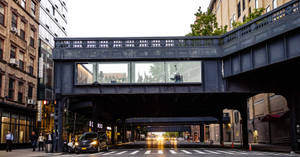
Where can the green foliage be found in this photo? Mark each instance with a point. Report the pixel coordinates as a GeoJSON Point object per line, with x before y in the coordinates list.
{"type": "Point", "coordinates": [252, 16]}
{"type": "Point", "coordinates": [206, 25]}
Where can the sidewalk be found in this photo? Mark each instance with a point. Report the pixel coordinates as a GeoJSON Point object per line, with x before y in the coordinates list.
{"type": "Point", "coordinates": [261, 147]}
{"type": "Point", "coordinates": [26, 153]}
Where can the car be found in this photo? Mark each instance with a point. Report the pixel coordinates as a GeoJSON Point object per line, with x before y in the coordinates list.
{"type": "Point", "coordinates": [91, 142]}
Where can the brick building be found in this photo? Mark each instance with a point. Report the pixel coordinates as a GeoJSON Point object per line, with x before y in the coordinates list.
{"type": "Point", "coordinates": [19, 29]}
{"type": "Point", "coordinates": [268, 118]}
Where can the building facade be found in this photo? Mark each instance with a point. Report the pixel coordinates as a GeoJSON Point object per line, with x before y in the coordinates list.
{"type": "Point", "coordinates": [19, 27]}
{"type": "Point", "coordinates": [268, 116]}
{"type": "Point", "coordinates": [53, 22]}
{"type": "Point", "coordinates": [228, 11]}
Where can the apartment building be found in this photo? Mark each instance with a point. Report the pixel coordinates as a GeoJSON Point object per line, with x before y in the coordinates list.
{"type": "Point", "coordinates": [53, 23]}
{"type": "Point", "coordinates": [19, 27]}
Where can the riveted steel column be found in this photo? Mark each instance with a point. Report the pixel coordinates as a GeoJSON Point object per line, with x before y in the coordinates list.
{"type": "Point", "coordinates": [244, 115]}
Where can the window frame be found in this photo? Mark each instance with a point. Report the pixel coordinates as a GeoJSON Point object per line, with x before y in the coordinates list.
{"type": "Point", "coordinates": [33, 8]}
{"type": "Point", "coordinates": [2, 22]}
{"type": "Point", "coordinates": [14, 22]}
{"type": "Point", "coordinates": [11, 90]}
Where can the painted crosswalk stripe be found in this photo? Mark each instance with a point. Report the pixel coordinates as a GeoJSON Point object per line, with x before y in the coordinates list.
{"type": "Point", "coordinates": [160, 152]}
{"type": "Point", "coordinates": [199, 152]}
{"type": "Point", "coordinates": [148, 152]}
{"type": "Point", "coordinates": [135, 152]}
{"type": "Point", "coordinates": [212, 152]}
{"type": "Point", "coordinates": [186, 152]}
{"type": "Point", "coordinates": [121, 152]}
{"type": "Point", "coordinates": [109, 153]}
{"type": "Point", "coordinates": [225, 152]}
{"type": "Point", "coordinates": [238, 152]}
{"type": "Point", "coordinates": [97, 153]}
{"type": "Point", "coordinates": [173, 152]}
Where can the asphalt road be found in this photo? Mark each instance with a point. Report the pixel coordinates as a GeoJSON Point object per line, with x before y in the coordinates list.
{"type": "Point", "coordinates": [181, 152]}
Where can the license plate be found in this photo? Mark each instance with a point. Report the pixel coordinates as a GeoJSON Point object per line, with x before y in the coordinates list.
{"type": "Point", "coordinates": [83, 148]}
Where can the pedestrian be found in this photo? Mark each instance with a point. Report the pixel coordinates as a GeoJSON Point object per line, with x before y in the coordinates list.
{"type": "Point", "coordinates": [49, 142]}
{"type": "Point", "coordinates": [9, 140]}
{"type": "Point", "coordinates": [33, 139]}
{"type": "Point", "coordinates": [41, 141]}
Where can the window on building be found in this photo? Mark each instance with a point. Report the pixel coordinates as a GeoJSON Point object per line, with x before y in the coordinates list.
{"type": "Point", "coordinates": [32, 35]}
{"type": "Point", "coordinates": [22, 30]}
{"type": "Point", "coordinates": [23, 3]}
{"type": "Point", "coordinates": [239, 9]}
{"type": "Point", "coordinates": [274, 4]}
{"type": "Point", "coordinates": [1, 85]}
{"type": "Point", "coordinates": [21, 60]}
{"type": "Point", "coordinates": [13, 52]}
{"type": "Point", "coordinates": [20, 92]}
{"type": "Point", "coordinates": [11, 89]}
{"type": "Point", "coordinates": [53, 10]}
{"type": "Point", "coordinates": [30, 67]}
{"type": "Point", "coordinates": [14, 20]}
{"type": "Point", "coordinates": [236, 117]}
{"type": "Point", "coordinates": [33, 8]}
{"type": "Point", "coordinates": [1, 48]}
{"type": "Point", "coordinates": [268, 8]}
{"type": "Point", "coordinates": [2, 14]}
{"type": "Point", "coordinates": [256, 4]}
{"type": "Point", "coordinates": [244, 4]}
{"type": "Point", "coordinates": [30, 90]}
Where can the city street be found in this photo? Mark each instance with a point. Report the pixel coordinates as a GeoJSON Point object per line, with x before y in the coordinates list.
{"type": "Point", "coordinates": [168, 152]}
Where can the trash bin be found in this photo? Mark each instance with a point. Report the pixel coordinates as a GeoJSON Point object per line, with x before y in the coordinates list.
{"type": "Point", "coordinates": [48, 148]}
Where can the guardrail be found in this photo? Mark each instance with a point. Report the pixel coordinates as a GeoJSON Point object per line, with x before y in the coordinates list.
{"type": "Point", "coordinates": [291, 7]}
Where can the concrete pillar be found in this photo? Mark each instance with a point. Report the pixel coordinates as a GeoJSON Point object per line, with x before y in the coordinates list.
{"type": "Point", "coordinates": [202, 133]}
{"type": "Point", "coordinates": [244, 115]}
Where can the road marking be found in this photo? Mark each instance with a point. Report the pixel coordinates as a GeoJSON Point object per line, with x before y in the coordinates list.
{"type": "Point", "coordinates": [244, 153]}
{"type": "Point", "coordinates": [186, 152]}
{"type": "Point", "coordinates": [224, 152]}
{"type": "Point", "coordinates": [97, 153]}
{"type": "Point", "coordinates": [148, 152]}
{"type": "Point", "coordinates": [212, 152]}
{"type": "Point", "coordinates": [173, 152]}
{"type": "Point", "coordinates": [160, 152]}
{"type": "Point", "coordinates": [135, 152]}
{"type": "Point", "coordinates": [109, 153]}
{"type": "Point", "coordinates": [199, 152]}
{"type": "Point", "coordinates": [121, 152]}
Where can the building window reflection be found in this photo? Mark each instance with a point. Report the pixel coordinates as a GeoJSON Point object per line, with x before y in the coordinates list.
{"type": "Point", "coordinates": [139, 72]}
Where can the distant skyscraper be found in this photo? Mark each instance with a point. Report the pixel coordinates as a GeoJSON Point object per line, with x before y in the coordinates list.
{"type": "Point", "coordinates": [53, 22]}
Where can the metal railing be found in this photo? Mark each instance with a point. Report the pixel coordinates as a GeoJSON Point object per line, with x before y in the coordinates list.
{"type": "Point", "coordinates": [289, 8]}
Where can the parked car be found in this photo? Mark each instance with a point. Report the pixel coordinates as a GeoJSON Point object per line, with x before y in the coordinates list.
{"type": "Point", "coordinates": [91, 142]}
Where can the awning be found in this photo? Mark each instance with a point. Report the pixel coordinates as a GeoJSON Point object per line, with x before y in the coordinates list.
{"type": "Point", "coordinates": [272, 117]}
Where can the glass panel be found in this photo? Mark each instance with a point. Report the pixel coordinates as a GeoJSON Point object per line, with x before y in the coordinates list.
{"type": "Point", "coordinates": [27, 134]}
{"type": "Point", "coordinates": [113, 73]}
{"type": "Point", "coordinates": [86, 73]}
{"type": "Point", "coordinates": [4, 129]}
{"type": "Point", "coordinates": [22, 133]}
{"type": "Point", "coordinates": [14, 130]}
{"type": "Point", "coordinates": [148, 72]}
{"type": "Point", "coordinates": [189, 71]}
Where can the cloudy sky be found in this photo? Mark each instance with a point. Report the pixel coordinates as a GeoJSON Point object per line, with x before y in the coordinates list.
{"type": "Point", "coordinates": [131, 18]}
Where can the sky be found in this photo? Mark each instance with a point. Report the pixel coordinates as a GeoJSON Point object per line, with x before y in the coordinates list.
{"type": "Point", "coordinates": [132, 18]}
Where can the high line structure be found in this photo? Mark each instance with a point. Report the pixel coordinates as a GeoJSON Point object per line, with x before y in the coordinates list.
{"type": "Point", "coordinates": [120, 78]}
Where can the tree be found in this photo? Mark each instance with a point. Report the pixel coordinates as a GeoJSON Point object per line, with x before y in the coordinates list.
{"type": "Point", "coordinates": [252, 16]}
{"type": "Point", "coordinates": [206, 25]}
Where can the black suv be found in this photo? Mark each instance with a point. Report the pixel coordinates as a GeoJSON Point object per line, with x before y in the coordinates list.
{"type": "Point", "coordinates": [91, 142]}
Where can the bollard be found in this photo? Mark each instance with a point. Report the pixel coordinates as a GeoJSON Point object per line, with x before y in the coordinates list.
{"type": "Point", "coordinates": [250, 147]}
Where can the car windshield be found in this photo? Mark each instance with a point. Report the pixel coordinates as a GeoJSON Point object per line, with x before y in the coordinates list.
{"type": "Point", "coordinates": [88, 136]}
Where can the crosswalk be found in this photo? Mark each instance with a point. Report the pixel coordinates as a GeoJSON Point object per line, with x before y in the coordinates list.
{"type": "Point", "coordinates": [179, 152]}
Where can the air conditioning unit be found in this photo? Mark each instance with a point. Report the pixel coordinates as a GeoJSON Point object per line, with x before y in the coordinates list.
{"type": "Point", "coordinates": [14, 30]}
{"type": "Point", "coordinates": [13, 61]}
{"type": "Point", "coordinates": [30, 101]}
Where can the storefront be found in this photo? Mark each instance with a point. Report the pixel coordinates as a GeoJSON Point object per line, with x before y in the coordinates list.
{"type": "Point", "coordinates": [20, 121]}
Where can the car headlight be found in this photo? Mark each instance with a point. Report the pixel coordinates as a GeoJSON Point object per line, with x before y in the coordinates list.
{"type": "Point", "coordinates": [76, 143]}
{"type": "Point", "coordinates": [94, 143]}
